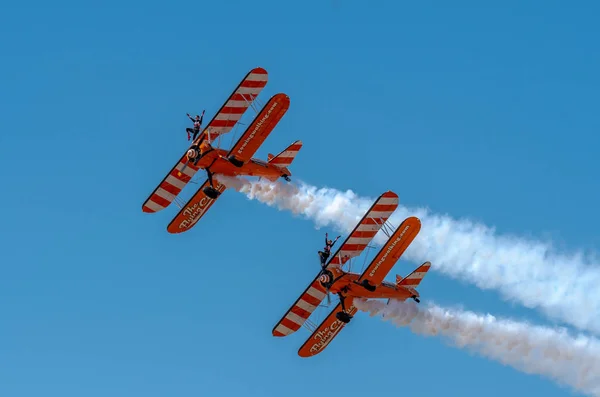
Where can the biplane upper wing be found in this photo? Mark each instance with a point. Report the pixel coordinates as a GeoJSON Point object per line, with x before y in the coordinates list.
{"type": "Point", "coordinates": [353, 246]}
{"type": "Point", "coordinates": [194, 209]}
{"type": "Point", "coordinates": [324, 334]}
{"type": "Point", "coordinates": [229, 114]}
{"type": "Point", "coordinates": [237, 104]}
{"type": "Point", "coordinates": [291, 322]}
{"type": "Point", "coordinates": [389, 254]}
{"type": "Point", "coordinates": [366, 229]}
{"type": "Point", "coordinates": [260, 128]}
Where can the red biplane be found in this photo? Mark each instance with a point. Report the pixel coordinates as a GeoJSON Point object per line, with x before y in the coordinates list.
{"type": "Point", "coordinates": [348, 286]}
{"type": "Point", "coordinates": [233, 162]}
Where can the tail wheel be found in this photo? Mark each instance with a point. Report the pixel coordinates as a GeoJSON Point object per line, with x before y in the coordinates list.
{"type": "Point", "coordinates": [235, 162]}
{"type": "Point", "coordinates": [343, 317]}
{"type": "Point", "coordinates": [211, 192]}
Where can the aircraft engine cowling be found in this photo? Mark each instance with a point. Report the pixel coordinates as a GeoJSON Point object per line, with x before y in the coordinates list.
{"type": "Point", "coordinates": [325, 278]}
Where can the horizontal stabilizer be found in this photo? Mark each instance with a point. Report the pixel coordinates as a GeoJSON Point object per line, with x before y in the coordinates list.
{"type": "Point", "coordinates": [414, 279]}
{"type": "Point", "coordinates": [287, 156]}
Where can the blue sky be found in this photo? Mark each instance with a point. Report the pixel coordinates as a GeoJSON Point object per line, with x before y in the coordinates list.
{"type": "Point", "coordinates": [486, 112]}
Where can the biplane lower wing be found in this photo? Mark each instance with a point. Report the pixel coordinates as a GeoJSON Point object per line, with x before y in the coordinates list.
{"type": "Point", "coordinates": [194, 209]}
{"type": "Point", "coordinates": [229, 114]}
{"type": "Point", "coordinates": [260, 128]}
{"type": "Point", "coordinates": [393, 249]}
{"type": "Point", "coordinates": [366, 229]}
{"type": "Point", "coordinates": [301, 310]}
{"type": "Point", "coordinates": [326, 332]}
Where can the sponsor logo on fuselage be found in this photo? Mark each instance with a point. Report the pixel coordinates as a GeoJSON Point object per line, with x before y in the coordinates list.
{"type": "Point", "coordinates": [256, 128]}
{"type": "Point", "coordinates": [194, 212]}
{"type": "Point", "coordinates": [387, 252]}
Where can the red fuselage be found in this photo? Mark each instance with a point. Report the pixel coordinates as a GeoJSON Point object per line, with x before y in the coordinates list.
{"type": "Point", "coordinates": [345, 283]}
{"type": "Point", "coordinates": [217, 163]}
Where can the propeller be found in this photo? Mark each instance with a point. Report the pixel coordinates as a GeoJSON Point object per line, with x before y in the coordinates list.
{"type": "Point", "coordinates": [324, 278]}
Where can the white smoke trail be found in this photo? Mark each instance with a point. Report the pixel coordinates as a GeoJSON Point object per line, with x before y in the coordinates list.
{"type": "Point", "coordinates": [553, 353]}
{"type": "Point", "coordinates": [564, 287]}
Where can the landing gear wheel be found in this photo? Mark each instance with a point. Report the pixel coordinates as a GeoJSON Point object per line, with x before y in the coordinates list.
{"type": "Point", "coordinates": [287, 178]}
{"type": "Point", "coordinates": [235, 162]}
{"type": "Point", "coordinates": [368, 286]}
{"type": "Point", "coordinates": [416, 299]}
{"type": "Point", "coordinates": [343, 317]}
{"type": "Point", "coordinates": [211, 192]}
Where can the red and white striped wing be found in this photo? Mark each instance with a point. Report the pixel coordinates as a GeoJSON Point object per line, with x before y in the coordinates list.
{"type": "Point", "coordinates": [301, 310]}
{"type": "Point", "coordinates": [241, 98]}
{"type": "Point", "coordinates": [353, 246]}
{"type": "Point", "coordinates": [223, 122]}
{"type": "Point", "coordinates": [366, 229]}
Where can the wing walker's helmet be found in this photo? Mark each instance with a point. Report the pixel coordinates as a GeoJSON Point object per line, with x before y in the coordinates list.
{"type": "Point", "coordinates": [329, 242]}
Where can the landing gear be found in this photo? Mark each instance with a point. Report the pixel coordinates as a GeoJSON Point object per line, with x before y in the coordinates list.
{"type": "Point", "coordinates": [286, 177]}
{"type": "Point", "coordinates": [237, 163]}
{"type": "Point", "coordinates": [367, 285]}
{"type": "Point", "coordinates": [416, 299]}
{"type": "Point", "coordinates": [210, 191]}
{"type": "Point", "coordinates": [343, 316]}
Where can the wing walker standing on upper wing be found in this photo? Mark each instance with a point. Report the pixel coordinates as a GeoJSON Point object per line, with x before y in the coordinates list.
{"type": "Point", "coordinates": [323, 255]}
{"type": "Point", "coordinates": [197, 125]}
